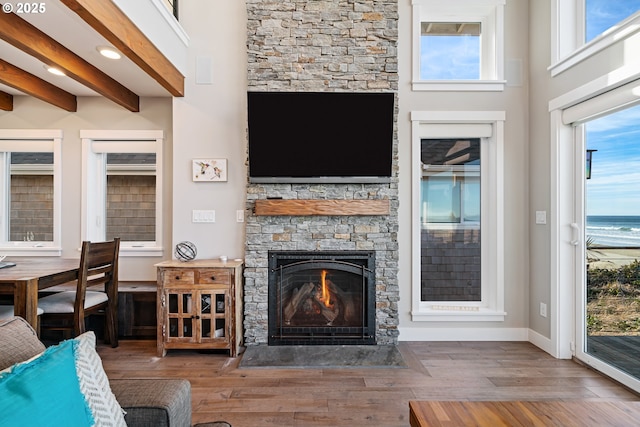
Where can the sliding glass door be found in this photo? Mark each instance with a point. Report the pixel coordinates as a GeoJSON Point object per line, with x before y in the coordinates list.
{"type": "Point", "coordinates": [610, 215]}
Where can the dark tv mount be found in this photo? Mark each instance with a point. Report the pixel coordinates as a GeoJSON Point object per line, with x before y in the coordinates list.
{"type": "Point", "coordinates": [321, 180]}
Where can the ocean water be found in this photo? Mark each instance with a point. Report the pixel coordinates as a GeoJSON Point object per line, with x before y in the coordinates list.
{"type": "Point", "coordinates": [619, 231]}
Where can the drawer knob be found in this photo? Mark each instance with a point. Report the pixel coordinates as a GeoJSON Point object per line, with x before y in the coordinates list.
{"type": "Point", "coordinates": [177, 277]}
{"type": "Point", "coordinates": [213, 277]}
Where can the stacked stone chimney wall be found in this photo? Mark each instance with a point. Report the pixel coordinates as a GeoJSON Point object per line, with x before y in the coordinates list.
{"type": "Point", "coordinates": [323, 46]}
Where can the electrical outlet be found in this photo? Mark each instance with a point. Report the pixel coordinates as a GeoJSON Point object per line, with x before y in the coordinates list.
{"type": "Point", "coordinates": [543, 309]}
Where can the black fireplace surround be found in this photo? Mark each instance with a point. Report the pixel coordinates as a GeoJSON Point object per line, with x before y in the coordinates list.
{"type": "Point", "coordinates": [322, 298]}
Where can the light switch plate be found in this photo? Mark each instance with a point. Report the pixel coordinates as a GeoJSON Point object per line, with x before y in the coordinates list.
{"type": "Point", "coordinates": [541, 217]}
{"type": "Point", "coordinates": [203, 216]}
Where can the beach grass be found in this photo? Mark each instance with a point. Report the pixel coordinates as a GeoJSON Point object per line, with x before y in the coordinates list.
{"type": "Point", "coordinates": [613, 299]}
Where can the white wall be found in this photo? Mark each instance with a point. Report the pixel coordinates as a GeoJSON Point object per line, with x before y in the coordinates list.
{"type": "Point", "coordinates": [210, 122]}
{"type": "Point", "coordinates": [94, 113]}
{"type": "Point", "coordinates": [539, 173]}
{"type": "Point", "coordinates": [517, 216]}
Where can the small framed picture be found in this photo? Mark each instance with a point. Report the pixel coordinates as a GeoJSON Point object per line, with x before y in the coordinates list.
{"type": "Point", "coordinates": [209, 170]}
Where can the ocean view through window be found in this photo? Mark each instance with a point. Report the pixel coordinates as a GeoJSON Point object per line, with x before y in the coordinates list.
{"type": "Point", "coordinates": [614, 230]}
{"type": "Point", "coordinates": [612, 246]}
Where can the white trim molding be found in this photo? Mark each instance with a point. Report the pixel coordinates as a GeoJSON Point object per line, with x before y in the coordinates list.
{"type": "Point", "coordinates": [32, 140]}
{"type": "Point", "coordinates": [568, 48]}
{"type": "Point", "coordinates": [489, 127]}
{"type": "Point", "coordinates": [490, 14]}
{"type": "Point", "coordinates": [95, 144]}
{"type": "Point", "coordinates": [463, 334]}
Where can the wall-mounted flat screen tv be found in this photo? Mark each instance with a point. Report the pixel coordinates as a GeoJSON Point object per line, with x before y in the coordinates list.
{"type": "Point", "coordinates": [332, 137]}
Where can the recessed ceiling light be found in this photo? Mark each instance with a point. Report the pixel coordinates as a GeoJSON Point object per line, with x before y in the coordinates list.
{"type": "Point", "coordinates": [54, 70]}
{"type": "Point", "coordinates": [108, 52]}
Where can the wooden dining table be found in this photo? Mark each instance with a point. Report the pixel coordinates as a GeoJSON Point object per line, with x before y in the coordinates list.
{"type": "Point", "coordinates": [31, 275]}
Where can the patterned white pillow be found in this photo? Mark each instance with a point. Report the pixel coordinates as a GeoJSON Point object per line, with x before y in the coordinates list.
{"type": "Point", "coordinates": [94, 383]}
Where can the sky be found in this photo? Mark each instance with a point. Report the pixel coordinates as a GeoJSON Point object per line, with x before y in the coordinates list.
{"type": "Point", "coordinates": [614, 187]}
{"type": "Point", "coordinates": [603, 14]}
{"type": "Point", "coordinates": [450, 58]}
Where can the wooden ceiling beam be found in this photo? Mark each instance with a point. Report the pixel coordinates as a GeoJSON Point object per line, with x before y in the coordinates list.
{"type": "Point", "coordinates": [17, 78]}
{"type": "Point", "coordinates": [108, 20]}
{"type": "Point", "coordinates": [6, 101]}
{"type": "Point", "coordinates": [21, 34]}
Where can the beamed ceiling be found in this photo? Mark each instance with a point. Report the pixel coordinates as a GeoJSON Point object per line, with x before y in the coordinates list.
{"type": "Point", "coordinates": [66, 36]}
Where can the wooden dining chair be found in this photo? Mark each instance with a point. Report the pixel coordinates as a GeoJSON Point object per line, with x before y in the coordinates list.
{"type": "Point", "coordinates": [67, 311]}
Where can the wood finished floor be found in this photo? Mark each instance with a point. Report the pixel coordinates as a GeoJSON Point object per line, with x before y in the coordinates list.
{"type": "Point", "coordinates": [362, 397]}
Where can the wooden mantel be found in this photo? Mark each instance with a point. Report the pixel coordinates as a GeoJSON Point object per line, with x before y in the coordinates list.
{"type": "Point", "coordinates": [281, 207]}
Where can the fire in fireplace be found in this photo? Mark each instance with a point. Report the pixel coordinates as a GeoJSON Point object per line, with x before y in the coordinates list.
{"type": "Point", "coordinates": [323, 297]}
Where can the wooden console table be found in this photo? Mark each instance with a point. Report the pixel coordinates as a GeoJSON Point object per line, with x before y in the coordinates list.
{"type": "Point", "coordinates": [199, 305]}
{"type": "Point", "coordinates": [572, 413]}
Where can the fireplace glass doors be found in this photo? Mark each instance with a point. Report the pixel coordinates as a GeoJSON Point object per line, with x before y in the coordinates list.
{"type": "Point", "coordinates": [318, 298]}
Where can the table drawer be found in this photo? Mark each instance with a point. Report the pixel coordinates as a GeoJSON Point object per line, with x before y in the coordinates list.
{"type": "Point", "coordinates": [178, 276]}
{"type": "Point", "coordinates": [221, 276]}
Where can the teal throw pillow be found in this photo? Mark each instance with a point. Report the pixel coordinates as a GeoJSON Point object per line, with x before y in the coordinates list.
{"type": "Point", "coordinates": [44, 391]}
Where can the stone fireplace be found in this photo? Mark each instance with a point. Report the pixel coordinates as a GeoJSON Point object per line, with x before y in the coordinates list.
{"type": "Point", "coordinates": [323, 46]}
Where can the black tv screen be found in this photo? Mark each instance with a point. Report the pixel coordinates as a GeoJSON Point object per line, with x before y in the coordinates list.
{"type": "Point", "coordinates": [320, 136]}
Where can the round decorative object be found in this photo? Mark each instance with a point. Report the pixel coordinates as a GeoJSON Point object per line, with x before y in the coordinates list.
{"type": "Point", "coordinates": [185, 251]}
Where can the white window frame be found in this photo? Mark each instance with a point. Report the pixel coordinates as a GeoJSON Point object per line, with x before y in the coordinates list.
{"type": "Point", "coordinates": [490, 13]}
{"type": "Point", "coordinates": [489, 127]}
{"type": "Point", "coordinates": [602, 96]}
{"type": "Point", "coordinates": [568, 33]}
{"type": "Point", "coordinates": [31, 140]}
{"type": "Point", "coordinates": [95, 145]}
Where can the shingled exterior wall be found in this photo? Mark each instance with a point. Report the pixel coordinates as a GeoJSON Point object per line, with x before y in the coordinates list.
{"type": "Point", "coordinates": [315, 46]}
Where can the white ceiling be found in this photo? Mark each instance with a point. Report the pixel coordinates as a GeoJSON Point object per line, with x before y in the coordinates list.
{"type": "Point", "coordinates": [65, 26]}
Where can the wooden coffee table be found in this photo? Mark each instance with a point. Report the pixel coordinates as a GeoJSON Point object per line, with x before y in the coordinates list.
{"type": "Point", "coordinates": [525, 414]}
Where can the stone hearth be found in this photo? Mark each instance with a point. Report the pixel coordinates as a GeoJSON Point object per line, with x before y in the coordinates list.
{"type": "Point", "coordinates": [344, 356]}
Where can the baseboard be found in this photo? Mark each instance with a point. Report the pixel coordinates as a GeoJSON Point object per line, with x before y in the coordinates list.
{"type": "Point", "coordinates": [542, 342]}
{"type": "Point", "coordinates": [478, 334]}
{"type": "Point", "coordinates": [463, 334]}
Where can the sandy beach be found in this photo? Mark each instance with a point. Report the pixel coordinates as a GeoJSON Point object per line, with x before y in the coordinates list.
{"type": "Point", "coordinates": [611, 257]}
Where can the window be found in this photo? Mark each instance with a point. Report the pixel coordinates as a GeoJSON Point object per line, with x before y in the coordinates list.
{"type": "Point", "coordinates": [122, 191]}
{"type": "Point", "coordinates": [450, 181]}
{"type": "Point", "coordinates": [458, 46]}
{"type": "Point", "coordinates": [450, 216]}
{"type": "Point", "coordinates": [30, 195]}
{"type": "Point", "coordinates": [457, 199]}
{"type": "Point", "coordinates": [582, 28]}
